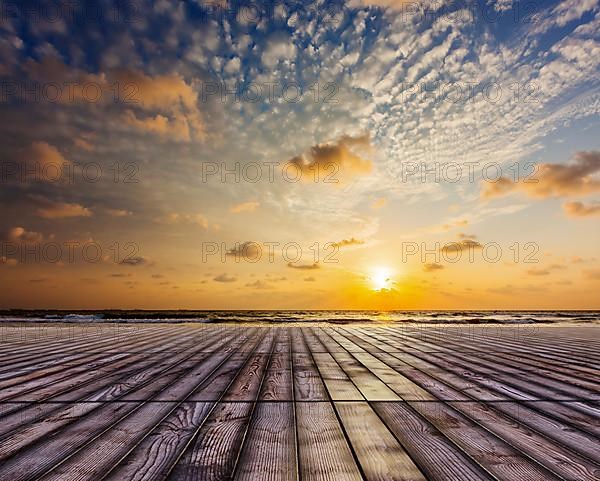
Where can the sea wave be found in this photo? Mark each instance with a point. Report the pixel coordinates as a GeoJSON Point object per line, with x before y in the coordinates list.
{"type": "Point", "coordinates": [330, 317]}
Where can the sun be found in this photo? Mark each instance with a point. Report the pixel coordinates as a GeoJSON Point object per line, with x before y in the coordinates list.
{"type": "Point", "coordinates": [381, 278]}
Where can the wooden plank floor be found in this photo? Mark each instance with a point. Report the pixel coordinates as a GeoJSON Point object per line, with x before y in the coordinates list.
{"type": "Point", "coordinates": [299, 403]}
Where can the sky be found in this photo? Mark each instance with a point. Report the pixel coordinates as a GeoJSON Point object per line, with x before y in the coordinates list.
{"type": "Point", "coordinates": [360, 154]}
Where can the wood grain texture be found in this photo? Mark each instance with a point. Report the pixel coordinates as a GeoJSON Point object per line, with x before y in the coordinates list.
{"type": "Point", "coordinates": [270, 449]}
{"type": "Point", "coordinates": [382, 457]}
{"type": "Point", "coordinates": [315, 403]}
{"type": "Point", "coordinates": [324, 451]}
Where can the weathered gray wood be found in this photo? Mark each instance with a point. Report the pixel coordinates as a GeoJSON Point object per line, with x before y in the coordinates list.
{"type": "Point", "coordinates": [189, 402]}
{"type": "Point", "coordinates": [269, 453]}
{"type": "Point", "coordinates": [438, 458]}
{"type": "Point", "coordinates": [213, 453]}
{"type": "Point", "coordinates": [509, 420]}
{"type": "Point", "coordinates": [323, 449]}
{"type": "Point", "coordinates": [381, 456]}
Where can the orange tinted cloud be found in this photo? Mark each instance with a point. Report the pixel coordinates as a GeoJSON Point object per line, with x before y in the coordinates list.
{"type": "Point", "coordinates": [43, 162]}
{"type": "Point", "coordinates": [63, 210]}
{"type": "Point", "coordinates": [245, 207]}
{"type": "Point", "coordinates": [334, 160]}
{"type": "Point", "coordinates": [176, 101]}
{"type": "Point", "coordinates": [119, 213]}
{"type": "Point", "coordinates": [553, 180]}
{"type": "Point", "coordinates": [466, 243]}
{"type": "Point", "coordinates": [304, 266]}
{"type": "Point", "coordinates": [545, 271]}
{"type": "Point", "coordinates": [168, 103]}
{"type": "Point", "coordinates": [19, 234]}
{"type": "Point", "coordinates": [174, 218]}
{"type": "Point", "coordinates": [379, 203]}
{"type": "Point", "coordinates": [458, 223]}
{"type": "Point", "coordinates": [433, 267]}
{"type": "Point", "coordinates": [348, 242]}
{"type": "Point", "coordinates": [578, 209]}
{"type": "Point", "coordinates": [5, 261]}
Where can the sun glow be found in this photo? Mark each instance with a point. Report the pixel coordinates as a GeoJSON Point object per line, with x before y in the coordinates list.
{"type": "Point", "coordinates": [381, 278]}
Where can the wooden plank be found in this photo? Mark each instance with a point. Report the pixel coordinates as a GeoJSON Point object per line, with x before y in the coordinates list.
{"type": "Point", "coordinates": [338, 384]}
{"type": "Point", "coordinates": [122, 437]}
{"type": "Point", "coordinates": [50, 372]}
{"type": "Point", "coordinates": [504, 419]}
{"type": "Point", "coordinates": [381, 456]}
{"type": "Point", "coordinates": [473, 407]}
{"type": "Point", "coordinates": [438, 458]}
{"type": "Point", "coordinates": [97, 458]}
{"type": "Point", "coordinates": [532, 375]}
{"type": "Point", "coordinates": [106, 389]}
{"type": "Point", "coordinates": [277, 385]}
{"type": "Point", "coordinates": [308, 385]}
{"type": "Point", "coordinates": [568, 412]}
{"type": "Point", "coordinates": [36, 361]}
{"type": "Point", "coordinates": [324, 453]}
{"type": "Point", "coordinates": [44, 381]}
{"type": "Point", "coordinates": [154, 456]}
{"type": "Point", "coordinates": [141, 388]}
{"type": "Point", "coordinates": [269, 453]}
{"type": "Point", "coordinates": [140, 417]}
{"type": "Point", "coordinates": [157, 453]}
{"type": "Point", "coordinates": [213, 453]}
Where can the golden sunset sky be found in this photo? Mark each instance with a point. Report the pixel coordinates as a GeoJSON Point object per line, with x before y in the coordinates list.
{"type": "Point", "coordinates": [304, 155]}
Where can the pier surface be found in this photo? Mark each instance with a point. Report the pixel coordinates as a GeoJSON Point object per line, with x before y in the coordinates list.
{"type": "Point", "coordinates": [310, 403]}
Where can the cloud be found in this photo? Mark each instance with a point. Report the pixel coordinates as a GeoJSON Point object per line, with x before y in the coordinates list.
{"type": "Point", "coordinates": [134, 261]}
{"type": "Point", "coordinates": [246, 250]}
{"type": "Point", "coordinates": [466, 243]}
{"type": "Point", "coordinates": [244, 207]}
{"type": "Point", "coordinates": [20, 235]}
{"type": "Point", "coordinates": [169, 104]}
{"type": "Point", "coordinates": [578, 209]}
{"type": "Point", "coordinates": [592, 274]}
{"type": "Point", "coordinates": [553, 180]}
{"type": "Point", "coordinates": [545, 271]}
{"type": "Point", "coordinates": [348, 242]}
{"type": "Point", "coordinates": [258, 285]}
{"type": "Point", "coordinates": [379, 203]}
{"type": "Point", "coordinates": [433, 267]}
{"type": "Point", "coordinates": [334, 160]}
{"type": "Point", "coordinates": [176, 128]}
{"type": "Point", "coordinates": [41, 161]}
{"type": "Point", "coordinates": [511, 290]}
{"type": "Point", "coordinates": [190, 219]}
{"type": "Point", "coordinates": [304, 266]}
{"type": "Point", "coordinates": [177, 102]}
{"type": "Point", "coordinates": [457, 223]}
{"type": "Point", "coordinates": [119, 213]}
{"type": "Point", "coordinates": [225, 278]}
{"type": "Point", "coordinates": [395, 4]}
{"type": "Point", "coordinates": [279, 47]}
{"type": "Point", "coordinates": [5, 261]}
{"type": "Point", "coordinates": [62, 210]}
{"type": "Point", "coordinates": [84, 144]}
{"type": "Point", "coordinates": [309, 279]}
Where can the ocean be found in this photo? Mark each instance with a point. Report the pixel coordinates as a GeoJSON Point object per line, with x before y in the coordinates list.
{"type": "Point", "coordinates": [307, 316]}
